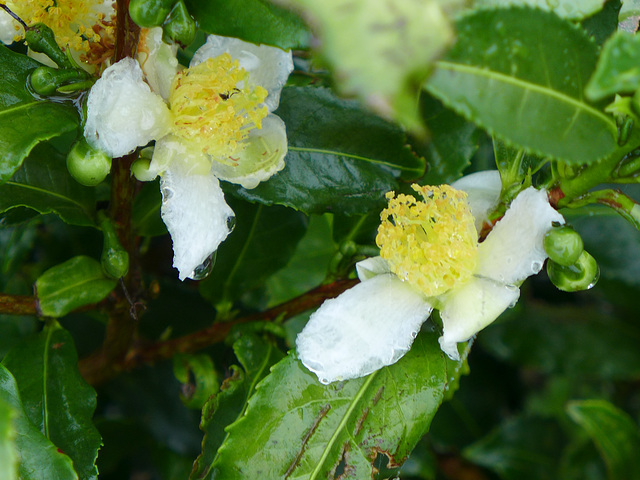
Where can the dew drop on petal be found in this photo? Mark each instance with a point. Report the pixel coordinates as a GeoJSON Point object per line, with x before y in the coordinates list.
{"type": "Point", "coordinates": [414, 334]}
{"type": "Point", "coordinates": [324, 381]}
{"type": "Point", "coordinates": [231, 223]}
{"type": "Point", "coordinates": [203, 270]}
{"type": "Point", "coordinates": [536, 266]}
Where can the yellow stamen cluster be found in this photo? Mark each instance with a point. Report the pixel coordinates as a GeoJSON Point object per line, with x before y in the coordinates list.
{"type": "Point", "coordinates": [215, 108]}
{"type": "Point", "coordinates": [77, 24]}
{"type": "Point", "coordinates": [431, 243]}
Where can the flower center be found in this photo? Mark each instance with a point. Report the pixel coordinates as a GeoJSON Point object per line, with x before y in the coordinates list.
{"type": "Point", "coordinates": [77, 24]}
{"type": "Point", "coordinates": [215, 108]}
{"type": "Point", "coordinates": [431, 243]}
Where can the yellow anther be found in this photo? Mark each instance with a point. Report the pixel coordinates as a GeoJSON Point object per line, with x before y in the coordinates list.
{"type": "Point", "coordinates": [432, 243]}
{"type": "Point", "coordinates": [74, 22]}
{"type": "Point", "coordinates": [215, 108]}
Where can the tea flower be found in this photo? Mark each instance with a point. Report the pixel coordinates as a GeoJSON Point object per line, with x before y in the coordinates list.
{"type": "Point", "coordinates": [210, 121]}
{"type": "Point", "coordinates": [429, 258]}
{"type": "Point", "coordinates": [85, 27]}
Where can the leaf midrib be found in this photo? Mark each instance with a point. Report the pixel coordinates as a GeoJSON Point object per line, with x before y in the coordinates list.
{"type": "Point", "coordinates": [508, 79]}
{"type": "Point", "coordinates": [48, 192]}
{"type": "Point", "coordinates": [355, 157]}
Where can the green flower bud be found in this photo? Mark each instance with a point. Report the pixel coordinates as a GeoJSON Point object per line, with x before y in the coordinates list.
{"type": "Point", "coordinates": [179, 26]}
{"type": "Point", "coordinates": [150, 13]}
{"type": "Point", "coordinates": [41, 39]}
{"type": "Point", "coordinates": [563, 245]}
{"type": "Point", "coordinates": [114, 259]}
{"type": "Point", "coordinates": [582, 275]}
{"type": "Point", "coordinates": [88, 165]}
{"type": "Point", "coordinates": [48, 80]}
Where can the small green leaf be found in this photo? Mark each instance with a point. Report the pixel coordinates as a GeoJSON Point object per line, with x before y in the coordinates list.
{"type": "Point", "coordinates": [380, 54]}
{"type": "Point", "coordinates": [522, 448]}
{"type": "Point", "coordinates": [618, 69]}
{"type": "Point", "coordinates": [25, 121]}
{"type": "Point", "coordinates": [198, 377]}
{"type": "Point", "coordinates": [523, 87]}
{"type": "Point", "coordinates": [341, 157]}
{"type": "Point", "coordinates": [261, 243]}
{"type": "Point", "coordinates": [146, 217]}
{"type": "Point", "coordinates": [38, 458]}
{"type": "Point", "coordinates": [72, 284]}
{"type": "Point", "coordinates": [570, 9]}
{"type": "Point", "coordinates": [295, 427]}
{"type": "Point", "coordinates": [55, 397]}
{"type": "Point", "coordinates": [8, 453]}
{"type": "Point", "coordinates": [44, 185]}
{"type": "Point", "coordinates": [256, 21]}
{"type": "Point", "coordinates": [256, 356]}
{"type": "Point", "coordinates": [615, 434]}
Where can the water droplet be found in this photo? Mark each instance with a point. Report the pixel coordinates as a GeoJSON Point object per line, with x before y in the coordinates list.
{"type": "Point", "coordinates": [414, 334]}
{"type": "Point", "coordinates": [231, 223]}
{"type": "Point", "coordinates": [203, 270]}
{"type": "Point", "coordinates": [509, 260]}
{"type": "Point", "coordinates": [536, 266]}
{"type": "Point", "coordinates": [596, 277]}
{"type": "Point", "coordinates": [167, 193]}
{"type": "Point", "coordinates": [324, 381]}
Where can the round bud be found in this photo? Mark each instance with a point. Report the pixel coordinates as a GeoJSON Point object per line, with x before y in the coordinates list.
{"type": "Point", "coordinates": [580, 276]}
{"type": "Point", "coordinates": [88, 165]}
{"type": "Point", "coordinates": [179, 26]}
{"type": "Point", "coordinates": [563, 245]}
{"type": "Point", "coordinates": [150, 13]}
{"type": "Point", "coordinates": [140, 170]}
{"type": "Point", "coordinates": [44, 80]}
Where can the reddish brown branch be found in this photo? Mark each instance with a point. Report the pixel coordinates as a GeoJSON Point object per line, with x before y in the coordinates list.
{"type": "Point", "coordinates": [18, 304]}
{"type": "Point", "coordinates": [96, 372]}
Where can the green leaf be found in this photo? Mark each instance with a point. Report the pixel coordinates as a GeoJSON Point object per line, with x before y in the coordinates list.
{"type": "Point", "coordinates": [72, 284]}
{"type": "Point", "coordinates": [570, 9]}
{"type": "Point", "coordinates": [261, 243]}
{"type": "Point", "coordinates": [566, 339]}
{"type": "Point", "coordinates": [146, 217]}
{"type": "Point", "coordinates": [604, 23]}
{"type": "Point", "coordinates": [295, 427]}
{"type": "Point", "coordinates": [256, 21]}
{"type": "Point", "coordinates": [38, 458]}
{"type": "Point", "coordinates": [25, 121]}
{"type": "Point", "coordinates": [522, 448]}
{"type": "Point", "coordinates": [256, 355]}
{"type": "Point", "coordinates": [8, 453]}
{"type": "Point", "coordinates": [452, 142]}
{"type": "Point", "coordinates": [44, 185]}
{"type": "Point", "coordinates": [198, 377]}
{"type": "Point", "coordinates": [341, 158]}
{"type": "Point", "coordinates": [55, 397]}
{"type": "Point", "coordinates": [380, 54]}
{"type": "Point", "coordinates": [629, 15]}
{"type": "Point", "coordinates": [615, 434]}
{"type": "Point", "coordinates": [524, 87]}
{"type": "Point", "coordinates": [618, 69]}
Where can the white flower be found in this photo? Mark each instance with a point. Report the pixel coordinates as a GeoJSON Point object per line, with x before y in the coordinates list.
{"type": "Point", "coordinates": [211, 121]}
{"type": "Point", "coordinates": [430, 258]}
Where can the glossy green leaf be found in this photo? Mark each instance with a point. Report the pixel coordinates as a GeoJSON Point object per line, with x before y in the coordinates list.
{"type": "Point", "coordinates": [380, 54]}
{"type": "Point", "coordinates": [55, 397]}
{"type": "Point", "coordinates": [146, 217]}
{"type": "Point", "coordinates": [44, 185]}
{"type": "Point", "coordinates": [341, 157]}
{"type": "Point", "coordinates": [618, 69]}
{"type": "Point", "coordinates": [38, 458]}
{"type": "Point", "coordinates": [72, 284]}
{"type": "Point", "coordinates": [615, 434]}
{"type": "Point", "coordinates": [295, 427]}
{"type": "Point", "coordinates": [566, 339]}
{"type": "Point", "coordinates": [261, 243]}
{"type": "Point", "coordinates": [8, 453]}
{"type": "Point", "coordinates": [522, 448]}
{"type": "Point", "coordinates": [256, 355]}
{"type": "Point", "coordinates": [524, 87]}
{"type": "Point", "coordinates": [256, 21]}
{"type": "Point", "coordinates": [570, 9]}
{"type": "Point", "coordinates": [452, 142]}
{"type": "Point", "coordinates": [25, 121]}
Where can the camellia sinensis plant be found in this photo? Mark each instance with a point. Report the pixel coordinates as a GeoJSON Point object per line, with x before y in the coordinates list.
{"type": "Point", "coordinates": [303, 239]}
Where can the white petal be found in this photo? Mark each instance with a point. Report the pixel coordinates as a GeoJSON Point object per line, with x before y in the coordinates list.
{"type": "Point", "coordinates": [8, 28]}
{"type": "Point", "coordinates": [470, 308]}
{"type": "Point", "coordinates": [158, 61]}
{"type": "Point", "coordinates": [261, 158]}
{"type": "Point", "coordinates": [372, 267]}
{"type": "Point", "coordinates": [514, 250]}
{"type": "Point", "coordinates": [268, 66]}
{"type": "Point", "coordinates": [122, 111]}
{"type": "Point", "coordinates": [366, 328]}
{"type": "Point", "coordinates": [196, 215]}
{"type": "Point", "coordinates": [483, 192]}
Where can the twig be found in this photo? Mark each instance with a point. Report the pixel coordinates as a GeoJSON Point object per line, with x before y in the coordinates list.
{"type": "Point", "coordinates": [18, 304]}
